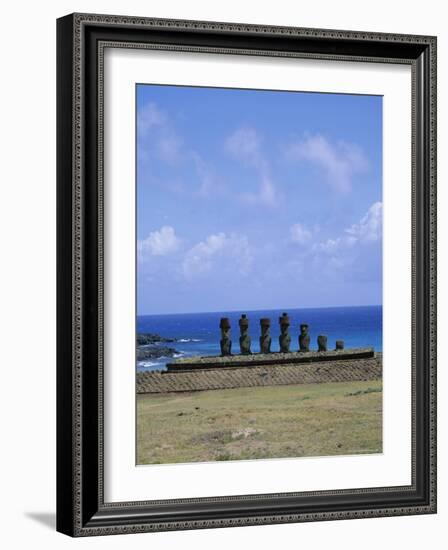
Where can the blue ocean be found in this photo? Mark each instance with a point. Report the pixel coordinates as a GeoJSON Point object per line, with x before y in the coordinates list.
{"type": "Point", "coordinates": [199, 334]}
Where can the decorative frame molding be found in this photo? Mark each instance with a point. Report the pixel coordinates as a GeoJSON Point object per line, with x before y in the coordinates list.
{"type": "Point", "coordinates": [81, 510]}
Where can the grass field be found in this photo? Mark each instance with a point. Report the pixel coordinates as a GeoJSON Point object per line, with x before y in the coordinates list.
{"type": "Point", "coordinates": [265, 422]}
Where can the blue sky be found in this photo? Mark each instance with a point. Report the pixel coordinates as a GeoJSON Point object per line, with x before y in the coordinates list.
{"type": "Point", "coordinates": [251, 199]}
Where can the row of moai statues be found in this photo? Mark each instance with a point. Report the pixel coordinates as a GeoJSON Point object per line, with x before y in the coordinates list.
{"type": "Point", "coordinates": [265, 338]}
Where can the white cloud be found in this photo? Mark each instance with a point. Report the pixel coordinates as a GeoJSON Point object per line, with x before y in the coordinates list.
{"type": "Point", "coordinates": [245, 144]}
{"type": "Point", "coordinates": [165, 142]}
{"type": "Point", "coordinates": [159, 243]}
{"type": "Point", "coordinates": [162, 139]}
{"type": "Point", "coordinates": [369, 229]}
{"type": "Point", "coordinates": [170, 147]}
{"type": "Point", "coordinates": [299, 233]}
{"type": "Point", "coordinates": [209, 183]}
{"type": "Point", "coordinates": [218, 251]}
{"type": "Point", "coordinates": [148, 117]}
{"type": "Point", "coordinates": [340, 162]}
{"type": "Point", "coordinates": [266, 194]}
{"type": "Point", "coordinates": [330, 246]}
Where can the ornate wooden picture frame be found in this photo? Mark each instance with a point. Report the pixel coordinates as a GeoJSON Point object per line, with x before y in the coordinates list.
{"type": "Point", "coordinates": [81, 506]}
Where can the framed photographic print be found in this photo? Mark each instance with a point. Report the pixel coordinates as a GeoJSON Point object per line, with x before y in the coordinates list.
{"type": "Point", "coordinates": [246, 274]}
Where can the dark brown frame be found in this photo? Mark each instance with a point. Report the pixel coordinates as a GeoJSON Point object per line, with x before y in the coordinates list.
{"type": "Point", "coordinates": [81, 39]}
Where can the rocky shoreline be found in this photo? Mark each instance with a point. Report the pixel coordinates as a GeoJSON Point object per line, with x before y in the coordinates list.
{"type": "Point", "coordinates": [148, 346]}
{"type": "Point", "coordinates": [148, 338]}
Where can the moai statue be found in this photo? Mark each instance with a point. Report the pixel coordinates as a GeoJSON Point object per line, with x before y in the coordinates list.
{"type": "Point", "coordinates": [304, 338]}
{"type": "Point", "coordinates": [339, 345]}
{"type": "Point", "coordinates": [226, 342]}
{"type": "Point", "coordinates": [265, 339]}
{"type": "Point", "coordinates": [285, 338]}
{"type": "Point", "coordinates": [322, 343]}
{"type": "Point", "coordinates": [244, 338]}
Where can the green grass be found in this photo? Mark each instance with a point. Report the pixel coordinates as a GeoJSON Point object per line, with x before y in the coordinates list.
{"type": "Point", "coordinates": [266, 422]}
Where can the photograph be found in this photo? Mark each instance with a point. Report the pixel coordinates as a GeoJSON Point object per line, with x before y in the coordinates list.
{"type": "Point", "coordinates": [246, 273]}
{"type": "Point", "coordinates": [259, 274]}
{"type": "Point", "coordinates": [236, 236]}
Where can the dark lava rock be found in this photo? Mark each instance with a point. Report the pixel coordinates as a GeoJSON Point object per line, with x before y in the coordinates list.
{"type": "Point", "coordinates": [148, 338]}
{"type": "Point", "coordinates": [154, 352]}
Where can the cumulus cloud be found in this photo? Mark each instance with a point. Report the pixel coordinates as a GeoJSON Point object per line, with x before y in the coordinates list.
{"type": "Point", "coordinates": [340, 162]}
{"type": "Point", "coordinates": [368, 230]}
{"type": "Point", "coordinates": [245, 144]}
{"type": "Point", "coordinates": [159, 243]}
{"type": "Point", "coordinates": [226, 252]}
{"type": "Point", "coordinates": [299, 233]}
{"type": "Point", "coordinates": [330, 246]}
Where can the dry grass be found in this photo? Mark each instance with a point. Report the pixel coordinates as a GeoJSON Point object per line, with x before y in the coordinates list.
{"type": "Point", "coordinates": [265, 422]}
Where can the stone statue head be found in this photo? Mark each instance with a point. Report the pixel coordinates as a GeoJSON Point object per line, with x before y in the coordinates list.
{"type": "Point", "coordinates": [226, 342]}
{"type": "Point", "coordinates": [224, 325]}
{"type": "Point", "coordinates": [284, 322]}
{"type": "Point", "coordinates": [322, 342]}
{"type": "Point", "coordinates": [265, 324]}
{"type": "Point", "coordinates": [244, 323]}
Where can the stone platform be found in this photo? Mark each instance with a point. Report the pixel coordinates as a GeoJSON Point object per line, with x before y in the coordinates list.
{"type": "Point", "coordinates": [262, 359]}
{"type": "Point", "coordinates": [218, 378]}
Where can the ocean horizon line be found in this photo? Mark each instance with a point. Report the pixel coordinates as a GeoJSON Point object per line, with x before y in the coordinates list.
{"type": "Point", "coordinates": [256, 310]}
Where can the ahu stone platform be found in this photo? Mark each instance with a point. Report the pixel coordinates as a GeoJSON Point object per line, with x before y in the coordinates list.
{"type": "Point", "coordinates": [275, 358]}
{"type": "Point", "coordinates": [329, 367]}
